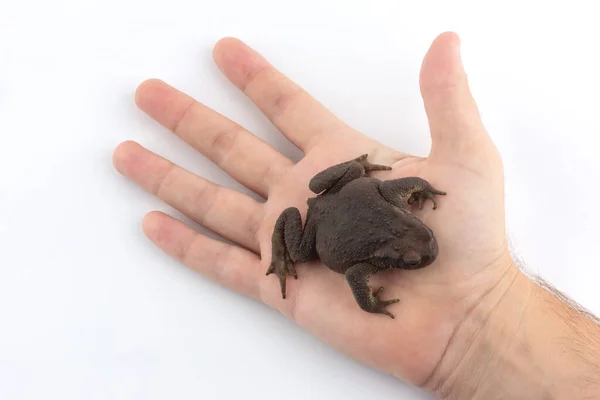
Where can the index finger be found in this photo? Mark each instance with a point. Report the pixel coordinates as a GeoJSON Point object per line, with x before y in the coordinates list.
{"type": "Point", "coordinates": [301, 118]}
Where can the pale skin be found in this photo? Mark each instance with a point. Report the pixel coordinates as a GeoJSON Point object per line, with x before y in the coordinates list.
{"type": "Point", "coordinates": [461, 325]}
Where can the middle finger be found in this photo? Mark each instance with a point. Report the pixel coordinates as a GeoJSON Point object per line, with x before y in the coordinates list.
{"type": "Point", "coordinates": [238, 152]}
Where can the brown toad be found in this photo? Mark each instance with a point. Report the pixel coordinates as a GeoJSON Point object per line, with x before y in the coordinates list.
{"type": "Point", "coordinates": [357, 226]}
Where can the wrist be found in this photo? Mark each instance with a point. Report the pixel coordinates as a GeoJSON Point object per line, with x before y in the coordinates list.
{"type": "Point", "coordinates": [521, 340]}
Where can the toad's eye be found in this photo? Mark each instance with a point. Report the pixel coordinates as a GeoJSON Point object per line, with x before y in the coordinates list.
{"type": "Point", "coordinates": [411, 257]}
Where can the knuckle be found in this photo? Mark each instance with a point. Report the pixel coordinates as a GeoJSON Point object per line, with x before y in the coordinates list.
{"type": "Point", "coordinates": [253, 225]}
{"type": "Point", "coordinates": [282, 100]}
{"type": "Point", "coordinates": [272, 175]}
{"type": "Point", "coordinates": [223, 142]}
{"type": "Point", "coordinates": [204, 201]}
{"type": "Point", "coordinates": [249, 75]}
{"type": "Point", "coordinates": [274, 92]}
{"type": "Point", "coordinates": [184, 255]}
{"type": "Point", "coordinates": [163, 182]}
{"type": "Point", "coordinates": [176, 128]}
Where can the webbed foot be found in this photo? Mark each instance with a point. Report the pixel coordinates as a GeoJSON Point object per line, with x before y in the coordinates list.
{"type": "Point", "coordinates": [371, 167]}
{"type": "Point", "coordinates": [379, 304]}
{"type": "Point", "coordinates": [357, 277]}
{"type": "Point", "coordinates": [282, 268]}
{"type": "Point", "coordinates": [424, 194]}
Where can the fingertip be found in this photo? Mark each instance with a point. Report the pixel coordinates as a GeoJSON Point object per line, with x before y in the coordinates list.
{"type": "Point", "coordinates": [156, 228]}
{"type": "Point", "coordinates": [226, 50]}
{"type": "Point", "coordinates": [162, 102]}
{"type": "Point", "coordinates": [238, 62]}
{"type": "Point", "coordinates": [442, 65]}
{"type": "Point", "coordinates": [449, 37]}
{"type": "Point", "coordinates": [122, 155]}
{"type": "Point", "coordinates": [148, 91]}
{"type": "Point", "coordinates": [149, 222]}
{"type": "Point", "coordinates": [142, 87]}
{"type": "Point", "coordinates": [446, 40]}
{"type": "Point", "coordinates": [224, 44]}
{"type": "Point", "coordinates": [139, 164]}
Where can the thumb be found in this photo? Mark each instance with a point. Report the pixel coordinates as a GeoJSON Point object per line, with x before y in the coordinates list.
{"type": "Point", "coordinates": [453, 116]}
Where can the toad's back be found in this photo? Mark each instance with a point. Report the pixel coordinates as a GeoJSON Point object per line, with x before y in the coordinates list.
{"type": "Point", "coordinates": [353, 223]}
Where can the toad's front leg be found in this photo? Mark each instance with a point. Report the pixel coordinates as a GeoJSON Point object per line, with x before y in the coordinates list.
{"type": "Point", "coordinates": [357, 277]}
{"type": "Point", "coordinates": [415, 189]}
{"type": "Point", "coordinates": [291, 244]}
{"type": "Point", "coordinates": [334, 178]}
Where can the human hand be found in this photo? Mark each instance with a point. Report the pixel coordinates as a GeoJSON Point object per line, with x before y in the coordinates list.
{"type": "Point", "coordinates": [471, 274]}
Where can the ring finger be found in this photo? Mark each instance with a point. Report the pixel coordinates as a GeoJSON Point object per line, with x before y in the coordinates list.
{"type": "Point", "coordinates": [224, 211]}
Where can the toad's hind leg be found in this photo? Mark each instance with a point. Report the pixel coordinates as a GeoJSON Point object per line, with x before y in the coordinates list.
{"type": "Point", "coordinates": [291, 244]}
{"type": "Point", "coordinates": [357, 277]}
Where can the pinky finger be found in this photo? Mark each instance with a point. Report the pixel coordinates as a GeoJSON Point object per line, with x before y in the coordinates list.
{"type": "Point", "coordinates": [231, 266]}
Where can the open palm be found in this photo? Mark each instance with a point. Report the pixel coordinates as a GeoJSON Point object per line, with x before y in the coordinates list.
{"type": "Point", "coordinates": [469, 223]}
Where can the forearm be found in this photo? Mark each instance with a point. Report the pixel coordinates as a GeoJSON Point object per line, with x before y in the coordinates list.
{"type": "Point", "coordinates": [524, 341]}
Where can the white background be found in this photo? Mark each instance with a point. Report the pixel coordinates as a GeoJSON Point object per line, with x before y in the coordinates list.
{"type": "Point", "coordinates": [89, 309]}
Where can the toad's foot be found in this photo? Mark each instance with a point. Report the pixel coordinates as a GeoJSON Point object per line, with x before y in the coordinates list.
{"type": "Point", "coordinates": [371, 167]}
{"type": "Point", "coordinates": [357, 277]}
{"type": "Point", "coordinates": [282, 267]}
{"type": "Point", "coordinates": [424, 194]}
{"type": "Point", "coordinates": [379, 304]}
{"type": "Point", "coordinates": [290, 243]}
{"type": "Point", "coordinates": [411, 188]}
